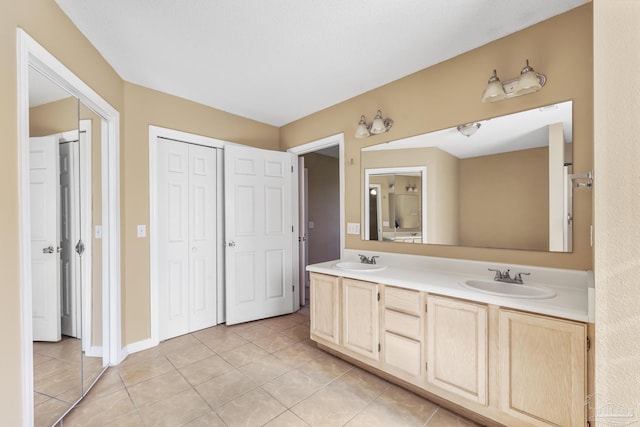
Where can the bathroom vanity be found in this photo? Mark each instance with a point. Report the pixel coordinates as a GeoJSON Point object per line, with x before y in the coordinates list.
{"type": "Point", "coordinates": [495, 357]}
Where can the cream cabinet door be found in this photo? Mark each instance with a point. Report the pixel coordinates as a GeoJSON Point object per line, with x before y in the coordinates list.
{"type": "Point", "coordinates": [457, 347]}
{"type": "Point", "coordinates": [360, 327]}
{"type": "Point", "coordinates": [542, 369]}
{"type": "Point", "coordinates": [325, 307]}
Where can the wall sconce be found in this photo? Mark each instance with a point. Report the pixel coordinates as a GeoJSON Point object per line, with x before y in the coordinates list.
{"type": "Point", "coordinates": [410, 188]}
{"type": "Point", "coordinates": [529, 81]}
{"type": "Point", "coordinates": [378, 126]}
{"type": "Point", "coordinates": [468, 129]}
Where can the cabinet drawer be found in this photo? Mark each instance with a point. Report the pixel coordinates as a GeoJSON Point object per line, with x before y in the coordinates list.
{"type": "Point", "coordinates": [403, 324]}
{"type": "Point", "coordinates": [402, 353]}
{"type": "Point", "coordinates": [402, 299]}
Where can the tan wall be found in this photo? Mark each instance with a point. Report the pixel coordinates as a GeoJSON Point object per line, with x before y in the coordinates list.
{"type": "Point", "coordinates": [146, 107]}
{"type": "Point", "coordinates": [617, 203]}
{"type": "Point", "coordinates": [54, 117]}
{"type": "Point", "coordinates": [448, 94]}
{"type": "Point", "coordinates": [442, 186]}
{"type": "Point", "coordinates": [324, 207]}
{"type": "Point", "coordinates": [504, 200]}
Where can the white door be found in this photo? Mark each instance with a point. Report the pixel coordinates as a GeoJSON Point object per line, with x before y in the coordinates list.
{"type": "Point", "coordinates": [304, 231]}
{"type": "Point", "coordinates": [45, 238]}
{"type": "Point", "coordinates": [69, 267]}
{"type": "Point", "coordinates": [186, 237]}
{"type": "Point", "coordinates": [258, 233]}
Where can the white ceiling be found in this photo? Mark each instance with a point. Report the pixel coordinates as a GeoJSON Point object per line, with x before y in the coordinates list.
{"type": "Point", "coordinates": [276, 61]}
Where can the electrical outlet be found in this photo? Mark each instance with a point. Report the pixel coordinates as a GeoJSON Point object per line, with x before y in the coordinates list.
{"type": "Point", "coordinates": [142, 230]}
{"type": "Point", "coordinates": [312, 225]}
{"type": "Point", "coordinates": [98, 232]}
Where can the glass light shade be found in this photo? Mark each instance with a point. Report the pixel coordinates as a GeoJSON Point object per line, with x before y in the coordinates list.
{"type": "Point", "coordinates": [468, 129]}
{"type": "Point", "coordinates": [378, 125]}
{"type": "Point", "coordinates": [494, 90]}
{"type": "Point", "coordinates": [362, 131]}
{"type": "Point", "coordinates": [528, 83]}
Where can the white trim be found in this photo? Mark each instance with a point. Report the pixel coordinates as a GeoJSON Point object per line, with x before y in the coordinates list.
{"type": "Point", "coordinates": [396, 171]}
{"type": "Point", "coordinates": [93, 351]}
{"type": "Point", "coordinates": [156, 132]}
{"type": "Point", "coordinates": [32, 54]}
{"type": "Point", "coordinates": [137, 346]}
{"type": "Point", "coordinates": [319, 144]}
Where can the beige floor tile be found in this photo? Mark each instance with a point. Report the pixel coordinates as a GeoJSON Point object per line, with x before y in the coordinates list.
{"type": "Point", "coordinates": [210, 419]}
{"type": "Point", "coordinates": [53, 366]}
{"type": "Point", "coordinates": [100, 411]}
{"type": "Point", "coordinates": [444, 418]}
{"type": "Point", "coordinates": [176, 410]}
{"type": "Point", "coordinates": [132, 419]}
{"type": "Point", "coordinates": [158, 388]}
{"type": "Point", "coordinates": [297, 354]}
{"type": "Point", "coordinates": [225, 342]}
{"type": "Point", "coordinates": [325, 369]}
{"type": "Point", "coordinates": [189, 354]}
{"type": "Point", "coordinates": [252, 409]}
{"type": "Point", "coordinates": [177, 343]}
{"type": "Point", "coordinates": [286, 419]}
{"type": "Point", "coordinates": [38, 359]}
{"type": "Point", "coordinates": [361, 383]}
{"type": "Point", "coordinates": [255, 332]}
{"type": "Point", "coordinates": [225, 388]}
{"type": "Point", "coordinates": [142, 356]}
{"type": "Point", "coordinates": [46, 413]}
{"type": "Point", "coordinates": [244, 354]}
{"type": "Point", "coordinates": [39, 398]}
{"type": "Point", "coordinates": [108, 383]}
{"type": "Point", "coordinates": [134, 373]}
{"type": "Point", "coordinates": [292, 387]}
{"type": "Point", "coordinates": [63, 381]}
{"type": "Point", "coordinates": [299, 317]}
{"type": "Point", "coordinates": [396, 407]}
{"type": "Point", "coordinates": [299, 332]}
{"type": "Point", "coordinates": [275, 342]}
{"type": "Point", "coordinates": [206, 370]}
{"type": "Point", "coordinates": [329, 407]}
{"type": "Point", "coordinates": [279, 323]}
{"type": "Point", "coordinates": [264, 369]}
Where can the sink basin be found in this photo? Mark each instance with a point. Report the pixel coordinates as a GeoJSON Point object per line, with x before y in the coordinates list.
{"type": "Point", "coordinates": [358, 266]}
{"type": "Point", "coordinates": [512, 290]}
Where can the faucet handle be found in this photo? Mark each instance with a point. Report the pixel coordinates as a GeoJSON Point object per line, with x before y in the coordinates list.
{"type": "Point", "coordinates": [373, 259]}
{"type": "Point", "coordinates": [518, 277]}
{"type": "Point", "coordinates": [506, 275]}
{"type": "Point", "coordinates": [498, 275]}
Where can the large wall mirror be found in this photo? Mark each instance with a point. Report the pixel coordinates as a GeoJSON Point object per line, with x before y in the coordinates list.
{"type": "Point", "coordinates": [505, 185]}
{"type": "Point", "coordinates": [65, 197]}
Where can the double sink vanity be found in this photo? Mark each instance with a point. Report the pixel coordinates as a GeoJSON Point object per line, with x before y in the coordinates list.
{"type": "Point", "coordinates": [498, 352]}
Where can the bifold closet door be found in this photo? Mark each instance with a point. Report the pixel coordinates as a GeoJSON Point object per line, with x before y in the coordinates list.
{"type": "Point", "coordinates": [186, 237]}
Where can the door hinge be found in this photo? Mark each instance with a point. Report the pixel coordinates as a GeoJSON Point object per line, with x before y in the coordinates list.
{"type": "Point", "coordinates": [291, 168]}
{"type": "Point", "coordinates": [378, 296]}
{"type": "Point", "coordinates": [588, 343]}
{"type": "Point", "coordinates": [379, 347]}
{"type": "Point", "coordinates": [293, 288]}
{"type": "Point", "coordinates": [426, 366]}
{"type": "Point", "coordinates": [425, 308]}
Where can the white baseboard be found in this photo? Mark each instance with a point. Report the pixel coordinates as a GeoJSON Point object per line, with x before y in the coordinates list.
{"type": "Point", "coordinates": [136, 347]}
{"type": "Point", "coordinates": [94, 351]}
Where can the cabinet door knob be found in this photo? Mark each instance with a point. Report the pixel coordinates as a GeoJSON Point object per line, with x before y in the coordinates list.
{"type": "Point", "coordinates": [231, 244]}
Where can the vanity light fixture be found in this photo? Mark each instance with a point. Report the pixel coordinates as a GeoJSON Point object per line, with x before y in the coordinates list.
{"type": "Point", "coordinates": [378, 126]}
{"type": "Point", "coordinates": [529, 81]}
{"type": "Point", "coordinates": [468, 129]}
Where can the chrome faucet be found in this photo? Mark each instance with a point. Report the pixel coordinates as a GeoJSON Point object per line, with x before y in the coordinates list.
{"type": "Point", "coordinates": [366, 260]}
{"type": "Point", "coordinates": [505, 276]}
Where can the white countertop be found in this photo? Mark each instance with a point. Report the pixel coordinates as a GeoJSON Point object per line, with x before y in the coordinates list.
{"type": "Point", "coordinates": [574, 289]}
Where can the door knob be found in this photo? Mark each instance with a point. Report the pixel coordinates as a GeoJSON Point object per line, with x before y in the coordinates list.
{"type": "Point", "coordinates": [231, 244]}
{"type": "Point", "coordinates": [48, 250]}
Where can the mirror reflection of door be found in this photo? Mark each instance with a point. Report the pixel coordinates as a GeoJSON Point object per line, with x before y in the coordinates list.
{"type": "Point", "coordinates": [375, 212]}
{"type": "Point", "coordinates": [55, 229]}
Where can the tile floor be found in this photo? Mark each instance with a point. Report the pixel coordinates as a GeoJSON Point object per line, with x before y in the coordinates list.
{"type": "Point", "coordinates": [262, 373]}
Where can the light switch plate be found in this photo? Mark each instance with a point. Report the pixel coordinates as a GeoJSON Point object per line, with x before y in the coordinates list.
{"type": "Point", "coordinates": [98, 232]}
{"type": "Point", "coordinates": [142, 230]}
{"type": "Point", "coordinates": [312, 225]}
{"type": "Point", "coordinates": [353, 228]}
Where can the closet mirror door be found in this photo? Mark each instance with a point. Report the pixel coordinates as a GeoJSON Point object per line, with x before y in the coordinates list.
{"type": "Point", "coordinates": [91, 234]}
{"type": "Point", "coordinates": [55, 197]}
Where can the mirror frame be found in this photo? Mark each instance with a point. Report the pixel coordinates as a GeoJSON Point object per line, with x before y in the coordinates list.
{"type": "Point", "coordinates": [560, 205]}
{"type": "Point", "coordinates": [422, 170]}
{"type": "Point", "coordinates": [31, 54]}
